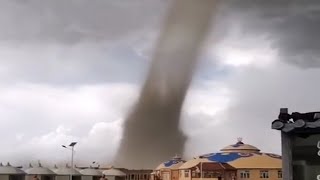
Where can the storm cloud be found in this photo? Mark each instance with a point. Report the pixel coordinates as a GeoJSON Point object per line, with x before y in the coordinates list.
{"type": "Point", "coordinates": [71, 70]}
{"type": "Point", "coordinates": [291, 26]}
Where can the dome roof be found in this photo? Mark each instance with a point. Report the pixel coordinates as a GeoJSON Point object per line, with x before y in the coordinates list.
{"type": "Point", "coordinates": [91, 172]}
{"type": "Point", "coordinates": [174, 163]}
{"type": "Point", "coordinates": [252, 160]}
{"type": "Point", "coordinates": [113, 172]}
{"type": "Point", "coordinates": [67, 171]}
{"type": "Point", "coordinates": [239, 155]}
{"type": "Point", "coordinates": [240, 147]}
{"type": "Point", "coordinates": [10, 170]}
{"type": "Point", "coordinates": [39, 170]}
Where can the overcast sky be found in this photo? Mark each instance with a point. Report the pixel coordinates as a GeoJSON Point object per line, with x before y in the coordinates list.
{"type": "Point", "coordinates": [70, 70]}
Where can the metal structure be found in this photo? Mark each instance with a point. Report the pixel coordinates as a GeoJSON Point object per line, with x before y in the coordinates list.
{"type": "Point", "coordinates": [300, 138]}
{"type": "Point", "coordinates": [72, 154]}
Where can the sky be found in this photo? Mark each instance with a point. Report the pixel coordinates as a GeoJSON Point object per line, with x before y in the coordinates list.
{"type": "Point", "coordinates": [71, 71]}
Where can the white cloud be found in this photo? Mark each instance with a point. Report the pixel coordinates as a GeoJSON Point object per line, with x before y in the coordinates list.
{"type": "Point", "coordinates": [48, 116]}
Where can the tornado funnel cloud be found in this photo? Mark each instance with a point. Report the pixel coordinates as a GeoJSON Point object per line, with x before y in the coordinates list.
{"type": "Point", "coordinates": [151, 131]}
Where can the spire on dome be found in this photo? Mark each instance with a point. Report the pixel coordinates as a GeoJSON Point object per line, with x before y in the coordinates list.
{"type": "Point", "coordinates": [239, 139]}
{"type": "Point", "coordinates": [176, 157]}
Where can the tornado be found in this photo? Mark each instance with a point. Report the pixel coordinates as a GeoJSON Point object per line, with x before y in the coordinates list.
{"type": "Point", "coordinates": [151, 131]}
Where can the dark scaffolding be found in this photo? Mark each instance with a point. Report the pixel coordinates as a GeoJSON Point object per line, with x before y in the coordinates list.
{"type": "Point", "coordinates": [300, 137]}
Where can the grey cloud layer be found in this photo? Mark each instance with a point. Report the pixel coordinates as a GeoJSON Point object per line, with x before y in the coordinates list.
{"type": "Point", "coordinates": [75, 20]}
{"type": "Point", "coordinates": [76, 42]}
{"type": "Point", "coordinates": [292, 26]}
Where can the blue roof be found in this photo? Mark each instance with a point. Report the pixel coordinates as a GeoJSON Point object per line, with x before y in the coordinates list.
{"type": "Point", "coordinates": [172, 162]}
{"type": "Point", "coordinates": [231, 156]}
{"type": "Point", "coordinates": [225, 157]}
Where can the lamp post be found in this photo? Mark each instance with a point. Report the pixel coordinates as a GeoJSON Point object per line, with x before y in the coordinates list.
{"type": "Point", "coordinates": [72, 152]}
{"type": "Point", "coordinates": [201, 173]}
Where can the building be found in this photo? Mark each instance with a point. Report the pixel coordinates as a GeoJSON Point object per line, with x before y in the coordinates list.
{"type": "Point", "coordinates": [238, 161]}
{"type": "Point", "coordinates": [63, 173]}
{"type": "Point", "coordinates": [122, 173]}
{"type": "Point", "coordinates": [42, 173]}
{"type": "Point", "coordinates": [137, 174]}
{"type": "Point", "coordinates": [114, 174]}
{"type": "Point", "coordinates": [9, 172]}
{"type": "Point", "coordinates": [90, 174]}
{"type": "Point", "coordinates": [168, 170]}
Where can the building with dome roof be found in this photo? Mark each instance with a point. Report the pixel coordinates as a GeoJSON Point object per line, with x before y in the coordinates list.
{"type": "Point", "coordinates": [168, 170]}
{"type": "Point", "coordinates": [238, 161]}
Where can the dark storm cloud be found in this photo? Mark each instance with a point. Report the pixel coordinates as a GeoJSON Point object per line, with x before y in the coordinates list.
{"type": "Point", "coordinates": [64, 65]}
{"type": "Point", "coordinates": [75, 20]}
{"type": "Point", "coordinates": [292, 26]}
{"type": "Point", "coordinates": [75, 42]}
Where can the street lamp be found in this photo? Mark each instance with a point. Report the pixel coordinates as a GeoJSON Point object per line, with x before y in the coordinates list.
{"type": "Point", "coordinates": [72, 152]}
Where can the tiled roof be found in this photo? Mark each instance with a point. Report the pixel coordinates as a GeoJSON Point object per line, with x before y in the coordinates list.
{"type": "Point", "coordinates": [297, 122]}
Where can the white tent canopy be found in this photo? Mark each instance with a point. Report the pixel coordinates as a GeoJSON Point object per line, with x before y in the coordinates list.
{"type": "Point", "coordinates": [10, 170]}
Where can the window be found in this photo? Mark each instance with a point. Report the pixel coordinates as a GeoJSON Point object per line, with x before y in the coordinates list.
{"type": "Point", "coordinates": [244, 174]}
{"type": "Point", "coordinates": [264, 174]}
{"type": "Point", "coordinates": [279, 174]}
{"type": "Point", "coordinates": [186, 173]}
{"type": "Point", "coordinates": [145, 176]}
{"type": "Point", "coordinates": [193, 174]}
